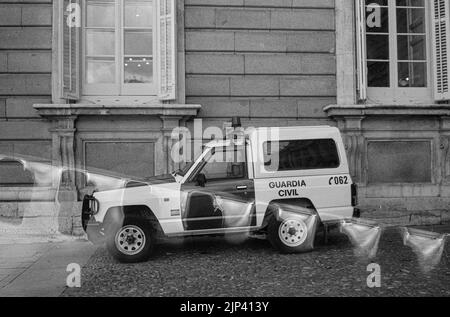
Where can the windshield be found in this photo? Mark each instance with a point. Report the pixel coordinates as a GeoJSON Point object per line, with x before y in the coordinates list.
{"type": "Point", "coordinates": [183, 171]}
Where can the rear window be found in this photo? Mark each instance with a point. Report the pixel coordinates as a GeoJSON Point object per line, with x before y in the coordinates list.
{"type": "Point", "coordinates": [300, 155]}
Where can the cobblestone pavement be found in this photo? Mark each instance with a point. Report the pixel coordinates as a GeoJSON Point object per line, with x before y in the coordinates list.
{"type": "Point", "coordinates": [216, 267]}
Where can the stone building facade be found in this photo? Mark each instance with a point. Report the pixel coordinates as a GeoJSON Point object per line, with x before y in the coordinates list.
{"type": "Point", "coordinates": [102, 84]}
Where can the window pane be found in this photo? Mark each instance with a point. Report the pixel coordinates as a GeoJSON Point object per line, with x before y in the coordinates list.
{"type": "Point", "coordinates": [100, 71]}
{"type": "Point", "coordinates": [100, 43]}
{"type": "Point", "coordinates": [412, 47]}
{"type": "Point", "coordinates": [138, 43]}
{"type": "Point", "coordinates": [412, 74]}
{"type": "Point", "coordinates": [301, 155]}
{"type": "Point", "coordinates": [379, 2]}
{"type": "Point", "coordinates": [100, 14]}
{"type": "Point", "coordinates": [378, 74]}
{"type": "Point", "coordinates": [138, 14]}
{"type": "Point", "coordinates": [410, 20]}
{"type": "Point", "coordinates": [377, 46]}
{"type": "Point", "coordinates": [225, 164]}
{"type": "Point", "coordinates": [410, 3]}
{"type": "Point", "coordinates": [138, 70]}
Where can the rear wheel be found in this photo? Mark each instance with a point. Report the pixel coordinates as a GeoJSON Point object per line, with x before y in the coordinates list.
{"type": "Point", "coordinates": [290, 235]}
{"type": "Point", "coordinates": [132, 242]}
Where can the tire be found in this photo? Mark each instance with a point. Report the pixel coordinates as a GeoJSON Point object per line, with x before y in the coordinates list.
{"type": "Point", "coordinates": [132, 242]}
{"type": "Point", "coordinates": [290, 235]}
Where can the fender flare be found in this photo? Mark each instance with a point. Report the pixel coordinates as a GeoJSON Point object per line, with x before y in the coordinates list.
{"type": "Point", "coordinates": [285, 208]}
{"type": "Point", "coordinates": [117, 214]}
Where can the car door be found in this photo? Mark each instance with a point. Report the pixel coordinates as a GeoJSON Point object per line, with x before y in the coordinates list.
{"type": "Point", "coordinates": [226, 200]}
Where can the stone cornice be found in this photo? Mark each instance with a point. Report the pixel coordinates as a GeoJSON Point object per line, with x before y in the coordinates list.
{"type": "Point", "coordinates": [387, 110]}
{"type": "Point", "coordinates": [65, 110]}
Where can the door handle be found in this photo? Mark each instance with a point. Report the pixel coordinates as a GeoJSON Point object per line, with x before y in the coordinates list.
{"type": "Point", "coordinates": [244, 187]}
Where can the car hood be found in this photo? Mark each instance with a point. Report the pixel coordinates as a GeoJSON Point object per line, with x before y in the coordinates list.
{"type": "Point", "coordinates": [155, 180]}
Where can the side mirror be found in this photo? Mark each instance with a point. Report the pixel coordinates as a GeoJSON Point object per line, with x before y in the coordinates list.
{"type": "Point", "coordinates": [201, 180]}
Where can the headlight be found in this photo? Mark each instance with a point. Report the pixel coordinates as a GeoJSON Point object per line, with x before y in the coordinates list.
{"type": "Point", "coordinates": [90, 205]}
{"type": "Point", "coordinates": [94, 206]}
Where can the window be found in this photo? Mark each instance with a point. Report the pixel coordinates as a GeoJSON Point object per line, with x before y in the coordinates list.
{"type": "Point", "coordinates": [119, 48]}
{"type": "Point", "coordinates": [301, 155]}
{"type": "Point", "coordinates": [398, 50]}
{"type": "Point", "coordinates": [224, 163]}
{"type": "Point", "coordinates": [403, 51]}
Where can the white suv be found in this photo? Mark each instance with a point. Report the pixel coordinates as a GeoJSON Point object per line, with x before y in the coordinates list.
{"type": "Point", "coordinates": [280, 183]}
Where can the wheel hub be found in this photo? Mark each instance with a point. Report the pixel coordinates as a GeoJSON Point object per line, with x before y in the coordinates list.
{"type": "Point", "coordinates": [130, 240]}
{"type": "Point", "coordinates": [293, 232]}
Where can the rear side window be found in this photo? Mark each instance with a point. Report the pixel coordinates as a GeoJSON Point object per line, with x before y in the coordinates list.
{"type": "Point", "coordinates": [300, 155]}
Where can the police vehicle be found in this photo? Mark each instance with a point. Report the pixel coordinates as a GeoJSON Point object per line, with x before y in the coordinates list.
{"type": "Point", "coordinates": [276, 183]}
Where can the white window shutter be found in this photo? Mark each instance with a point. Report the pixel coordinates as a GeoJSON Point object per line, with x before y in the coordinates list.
{"type": "Point", "coordinates": [361, 52]}
{"type": "Point", "coordinates": [441, 49]}
{"type": "Point", "coordinates": [70, 52]}
{"type": "Point", "coordinates": [167, 51]}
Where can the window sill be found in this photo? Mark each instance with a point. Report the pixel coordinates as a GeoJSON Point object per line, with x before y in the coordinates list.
{"type": "Point", "coordinates": [107, 109]}
{"type": "Point", "coordinates": [119, 100]}
{"type": "Point", "coordinates": [387, 110]}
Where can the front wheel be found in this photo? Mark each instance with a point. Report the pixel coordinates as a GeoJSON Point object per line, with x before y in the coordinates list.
{"type": "Point", "coordinates": [132, 242]}
{"type": "Point", "coordinates": [290, 235]}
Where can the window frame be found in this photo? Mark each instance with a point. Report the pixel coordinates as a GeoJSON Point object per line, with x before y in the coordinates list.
{"type": "Point", "coordinates": [395, 94]}
{"type": "Point", "coordinates": [119, 88]}
{"type": "Point", "coordinates": [170, 48]}
{"type": "Point", "coordinates": [201, 165]}
{"type": "Point", "coordinates": [279, 170]}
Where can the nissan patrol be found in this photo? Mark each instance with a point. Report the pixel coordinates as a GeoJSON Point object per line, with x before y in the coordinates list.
{"type": "Point", "coordinates": [279, 183]}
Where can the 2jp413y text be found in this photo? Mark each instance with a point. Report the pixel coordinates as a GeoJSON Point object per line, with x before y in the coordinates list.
{"type": "Point", "coordinates": [227, 307]}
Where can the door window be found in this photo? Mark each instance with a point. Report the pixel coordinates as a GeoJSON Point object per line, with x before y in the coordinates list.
{"type": "Point", "coordinates": [224, 163]}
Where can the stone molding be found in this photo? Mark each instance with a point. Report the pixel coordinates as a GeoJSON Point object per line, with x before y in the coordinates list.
{"type": "Point", "coordinates": [55, 110]}
{"type": "Point", "coordinates": [387, 110]}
